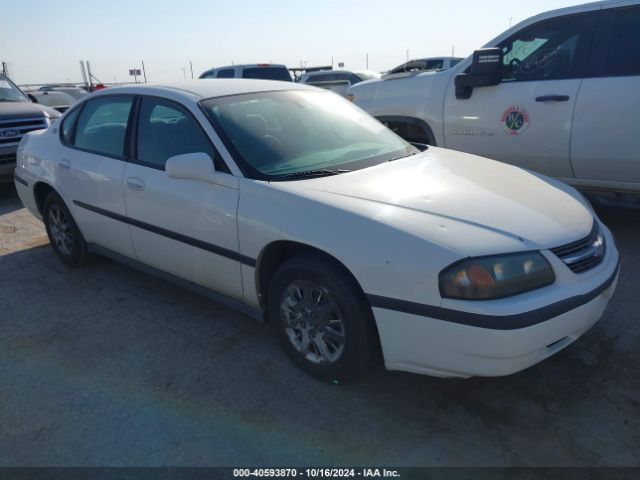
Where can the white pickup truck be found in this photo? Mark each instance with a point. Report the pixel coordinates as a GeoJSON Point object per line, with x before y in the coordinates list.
{"type": "Point", "coordinates": [559, 93]}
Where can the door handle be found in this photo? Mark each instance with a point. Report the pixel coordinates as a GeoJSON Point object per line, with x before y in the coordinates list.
{"type": "Point", "coordinates": [64, 164]}
{"type": "Point", "coordinates": [135, 183]}
{"type": "Point", "coordinates": [552, 98]}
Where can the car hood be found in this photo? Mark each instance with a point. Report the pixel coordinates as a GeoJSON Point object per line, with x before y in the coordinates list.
{"type": "Point", "coordinates": [433, 192]}
{"type": "Point", "coordinates": [11, 110]}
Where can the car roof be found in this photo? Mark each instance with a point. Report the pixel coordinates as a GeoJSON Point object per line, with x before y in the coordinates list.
{"type": "Point", "coordinates": [322, 72]}
{"type": "Point", "coordinates": [253, 65]}
{"type": "Point", "coordinates": [196, 90]}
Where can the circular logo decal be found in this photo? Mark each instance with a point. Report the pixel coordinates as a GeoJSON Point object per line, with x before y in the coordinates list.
{"type": "Point", "coordinates": [515, 120]}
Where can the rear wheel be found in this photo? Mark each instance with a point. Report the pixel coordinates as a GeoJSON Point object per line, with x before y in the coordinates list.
{"type": "Point", "coordinates": [65, 237]}
{"type": "Point", "coordinates": [322, 319]}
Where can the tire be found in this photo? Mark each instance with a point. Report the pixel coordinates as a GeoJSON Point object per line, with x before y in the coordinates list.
{"type": "Point", "coordinates": [65, 237]}
{"type": "Point", "coordinates": [314, 303]}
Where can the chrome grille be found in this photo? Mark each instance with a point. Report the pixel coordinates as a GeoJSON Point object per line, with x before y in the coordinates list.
{"type": "Point", "coordinates": [11, 131]}
{"type": "Point", "coordinates": [583, 254]}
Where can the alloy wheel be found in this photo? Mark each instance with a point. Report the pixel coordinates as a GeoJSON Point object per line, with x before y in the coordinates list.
{"type": "Point", "coordinates": [313, 322]}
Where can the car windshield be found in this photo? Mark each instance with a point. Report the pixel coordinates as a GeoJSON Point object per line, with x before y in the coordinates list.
{"type": "Point", "coordinates": [282, 134]}
{"type": "Point", "coordinates": [9, 92]}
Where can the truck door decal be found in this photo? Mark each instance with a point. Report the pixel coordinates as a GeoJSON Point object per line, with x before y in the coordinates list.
{"type": "Point", "coordinates": [515, 120]}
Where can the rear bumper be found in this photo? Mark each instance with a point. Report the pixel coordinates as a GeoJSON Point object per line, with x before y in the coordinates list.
{"type": "Point", "coordinates": [433, 346]}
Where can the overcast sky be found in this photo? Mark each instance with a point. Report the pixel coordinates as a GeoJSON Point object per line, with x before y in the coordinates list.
{"type": "Point", "coordinates": [42, 41]}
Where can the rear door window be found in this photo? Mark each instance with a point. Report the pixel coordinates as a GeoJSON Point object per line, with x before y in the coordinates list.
{"type": "Point", "coordinates": [623, 51]}
{"type": "Point", "coordinates": [102, 125]}
{"type": "Point", "coordinates": [68, 125]}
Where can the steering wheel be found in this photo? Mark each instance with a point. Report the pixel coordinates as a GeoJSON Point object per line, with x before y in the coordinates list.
{"type": "Point", "coordinates": [515, 65]}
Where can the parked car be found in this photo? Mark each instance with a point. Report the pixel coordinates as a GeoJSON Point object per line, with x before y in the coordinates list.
{"type": "Point", "coordinates": [557, 93]}
{"type": "Point", "coordinates": [418, 65]}
{"type": "Point", "coordinates": [52, 98]}
{"type": "Point", "coordinates": [261, 71]}
{"type": "Point", "coordinates": [295, 206]}
{"type": "Point", "coordinates": [17, 117]}
{"type": "Point", "coordinates": [75, 92]}
{"type": "Point", "coordinates": [337, 81]}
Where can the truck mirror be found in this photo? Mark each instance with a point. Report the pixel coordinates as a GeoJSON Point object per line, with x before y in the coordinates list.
{"type": "Point", "coordinates": [486, 70]}
{"type": "Point", "coordinates": [32, 98]}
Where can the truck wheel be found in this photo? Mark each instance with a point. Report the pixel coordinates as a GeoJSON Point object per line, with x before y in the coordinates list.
{"type": "Point", "coordinates": [322, 319]}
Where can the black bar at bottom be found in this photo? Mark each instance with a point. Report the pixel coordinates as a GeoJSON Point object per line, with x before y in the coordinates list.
{"type": "Point", "coordinates": [216, 473]}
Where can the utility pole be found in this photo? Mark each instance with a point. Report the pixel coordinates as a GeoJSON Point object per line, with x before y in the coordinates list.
{"type": "Point", "coordinates": [89, 75]}
{"type": "Point", "coordinates": [83, 71]}
{"type": "Point", "coordinates": [184, 72]}
{"type": "Point", "coordinates": [367, 61]}
{"type": "Point", "coordinates": [5, 69]}
{"type": "Point", "coordinates": [144, 72]}
{"type": "Point", "coordinates": [407, 55]}
{"type": "Point", "coordinates": [453, 49]}
{"type": "Point", "coordinates": [191, 66]}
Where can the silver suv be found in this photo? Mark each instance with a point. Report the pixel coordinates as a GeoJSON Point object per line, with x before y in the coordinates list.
{"type": "Point", "coordinates": [262, 71]}
{"type": "Point", "coordinates": [18, 115]}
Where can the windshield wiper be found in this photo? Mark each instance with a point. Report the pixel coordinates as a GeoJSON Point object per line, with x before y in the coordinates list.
{"type": "Point", "coordinates": [322, 172]}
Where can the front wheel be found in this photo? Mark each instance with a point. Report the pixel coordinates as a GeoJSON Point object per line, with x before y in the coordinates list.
{"type": "Point", "coordinates": [322, 319]}
{"type": "Point", "coordinates": [64, 235]}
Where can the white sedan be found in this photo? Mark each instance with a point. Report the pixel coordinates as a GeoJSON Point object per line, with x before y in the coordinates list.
{"type": "Point", "coordinates": [295, 206]}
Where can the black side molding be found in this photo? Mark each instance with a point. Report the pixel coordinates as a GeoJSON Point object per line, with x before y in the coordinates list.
{"type": "Point", "coordinates": [194, 242]}
{"type": "Point", "coordinates": [504, 322]}
{"type": "Point", "coordinates": [20, 180]}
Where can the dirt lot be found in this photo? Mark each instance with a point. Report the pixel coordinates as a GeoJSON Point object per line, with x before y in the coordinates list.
{"type": "Point", "coordinates": [107, 366]}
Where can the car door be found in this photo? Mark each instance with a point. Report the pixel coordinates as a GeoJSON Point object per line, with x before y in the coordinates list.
{"type": "Point", "coordinates": [91, 168]}
{"type": "Point", "coordinates": [185, 227]}
{"type": "Point", "coordinates": [526, 119]}
{"type": "Point", "coordinates": [605, 139]}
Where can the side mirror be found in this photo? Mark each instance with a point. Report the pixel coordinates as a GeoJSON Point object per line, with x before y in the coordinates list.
{"type": "Point", "coordinates": [486, 70]}
{"type": "Point", "coordinates": [191, 166]}
{"type": "Point", "coordinates": [32, 98]}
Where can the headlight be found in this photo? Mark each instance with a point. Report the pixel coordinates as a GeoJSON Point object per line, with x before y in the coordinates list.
{"type": "Point", "coordinates": [486, 278]}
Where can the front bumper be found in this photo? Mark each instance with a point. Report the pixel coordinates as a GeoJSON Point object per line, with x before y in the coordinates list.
{"type": "Point", "coordinates": [464, 344]}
